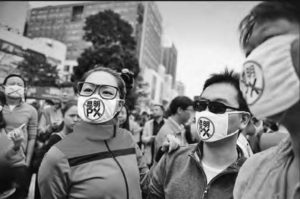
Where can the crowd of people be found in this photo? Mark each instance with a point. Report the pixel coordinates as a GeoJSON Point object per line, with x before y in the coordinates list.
{"type": "Point", "coordinates": [238, 139]}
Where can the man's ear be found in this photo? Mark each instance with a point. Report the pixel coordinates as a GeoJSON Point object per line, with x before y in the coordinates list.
{"type": "Point", "coordinates": [245, 119]}
{"type": "Point", "coordinates": [179, 110]}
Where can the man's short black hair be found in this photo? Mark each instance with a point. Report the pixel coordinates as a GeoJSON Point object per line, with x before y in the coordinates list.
{"type": "Point", "coordinates": [182, 102]}
{"type": "Point", "coordinates": [14, 75]}
{"type": "Point", "coordinates": [232, 78]}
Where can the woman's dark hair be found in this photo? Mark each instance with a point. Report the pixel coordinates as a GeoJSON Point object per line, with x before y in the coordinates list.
{"type": "Point", "coordinates": [125, 125]}
{"type": "Point", "coordinates": [14, 75]}
{"type": "Point", "coordinates": [2, 102]}
{"type": "Point", "coordinates": [68, 105]}
{"type": "Point", "coordinates": [120, 81]}
{"type": "Point", "coordinates": [231, 78]}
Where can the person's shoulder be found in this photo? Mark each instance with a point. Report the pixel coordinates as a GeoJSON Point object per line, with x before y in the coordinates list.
{"type": "Point", "coordinates": [125, 136]}
{"type": "Point", "coordinates": [181, 154]}
{"type": "Point", "coordinates": [29, 107]}
{"type": "Point", "coordinates": [258, 162]}
{"type": "Point", "coordinates": [54, 155]}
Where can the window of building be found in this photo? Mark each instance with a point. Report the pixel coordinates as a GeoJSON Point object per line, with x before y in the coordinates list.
{"type": "Point", "coordinates": [77, 13]}
{"type": "Point", "coordinates": [66, 68]}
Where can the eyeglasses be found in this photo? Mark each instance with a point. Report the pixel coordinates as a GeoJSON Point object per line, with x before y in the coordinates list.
{"type": "Point", "coordinates": [214, 107]}
{"type": "Point", "coordinates": [87, 89]}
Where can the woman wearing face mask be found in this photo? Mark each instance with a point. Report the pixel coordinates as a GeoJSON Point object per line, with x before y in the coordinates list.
{"type": "Point", "coordinates": [10, 145]}
{"type": "Point", "coordinates": [98, 160]}
{"type": "Point", "coordinates": [17, 113]}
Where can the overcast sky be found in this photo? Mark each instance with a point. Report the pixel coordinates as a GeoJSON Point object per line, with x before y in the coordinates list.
{"type": "Point", "coordinates": [205, 35]}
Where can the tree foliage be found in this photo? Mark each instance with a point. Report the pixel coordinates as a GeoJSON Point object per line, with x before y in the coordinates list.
{"type": "Point", "coordinates": [113, 45]}
{"type": "Point", "coordinates": [37, 71]}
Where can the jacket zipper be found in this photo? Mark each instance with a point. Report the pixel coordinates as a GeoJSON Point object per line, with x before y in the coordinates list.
{"type": "Point", "coordinates": [122, 170]}
{"type": "Point", "coordinates": [207, 186]}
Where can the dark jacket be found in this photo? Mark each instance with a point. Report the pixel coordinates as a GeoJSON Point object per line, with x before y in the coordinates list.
{"type": "Point", "coordinates": [179, 175]}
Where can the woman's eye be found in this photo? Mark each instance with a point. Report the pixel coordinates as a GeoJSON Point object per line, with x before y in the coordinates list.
{"type": "Point", "coordinates": [87, 90]}
{"type": "Point", "coordinates": [107, 93]}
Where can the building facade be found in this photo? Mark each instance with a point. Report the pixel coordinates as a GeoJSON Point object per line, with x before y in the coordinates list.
{"type": "Point", "coordinates": [14, 46]}
{"type": "Point", "coordinates": [180, 88]}
{"type": "Point", "coordinates": [65, 23]}
{"type": "Point", "coordinates": [170, 61]}
{"type": "Point", "coordinates": [13, 15]}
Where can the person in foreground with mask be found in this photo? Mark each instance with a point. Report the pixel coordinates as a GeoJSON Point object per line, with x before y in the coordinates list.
{"type": "Point", "coordinates": [270, 83]}
{"type": "Point", "coordinates": [10, 144]}
{"type": "Point", "coordinates": [209, 168]}
{"type": "Point", "coordinates": [19, 114]}
{"type": "Point", "coordinates": [98, 160]}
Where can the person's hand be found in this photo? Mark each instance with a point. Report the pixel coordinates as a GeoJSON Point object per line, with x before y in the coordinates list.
{"type": "Point", "coordinates": [17, 136]}
{"type": "Point", "coordinates": [171, 143]}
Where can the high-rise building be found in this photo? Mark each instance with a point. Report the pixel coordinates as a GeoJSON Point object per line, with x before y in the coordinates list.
{"type": "Point", "coordinates": [13, 15]}
{"type": "Point", "coordinates": [170, 61]}
{"type": "Point", "coordinates": [65, 23]}
{"type": "Point", "coordinates": [180, 88]}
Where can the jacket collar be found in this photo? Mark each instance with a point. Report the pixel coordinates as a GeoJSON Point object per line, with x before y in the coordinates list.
{"type": "Point", "coordinates": [197, 154]}
{"type": "Point", "coordinates": [96, 132]}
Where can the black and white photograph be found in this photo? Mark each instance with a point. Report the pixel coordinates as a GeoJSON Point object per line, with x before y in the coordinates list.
{"type": "Point", "coordinates": [149, 100]}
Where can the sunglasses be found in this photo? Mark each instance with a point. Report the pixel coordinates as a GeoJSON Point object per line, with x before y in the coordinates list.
{"type": "Point", "coordinates": [87, 89]}
{"type": "Point", "coordinates": [214, 107]}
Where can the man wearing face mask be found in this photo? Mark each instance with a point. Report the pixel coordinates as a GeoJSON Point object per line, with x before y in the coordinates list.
{"type": "Point", "coordinates": [209, 168]}
{"type": "Point", "coordinates": [271, 72]}
{"type": "Point", "coordinates": [19, 114]}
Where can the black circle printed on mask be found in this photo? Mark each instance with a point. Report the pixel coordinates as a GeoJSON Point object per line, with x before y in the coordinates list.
{"type": "Point", "coordinates": [93, 108]}
{"type": "Point", "coordinates": [205, 128]}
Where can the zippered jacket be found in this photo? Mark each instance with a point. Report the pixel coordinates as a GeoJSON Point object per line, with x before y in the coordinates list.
{"type": "Point", "coordinates": [180, 175]}
{"type": "Point", "coordinates": [95, 161]}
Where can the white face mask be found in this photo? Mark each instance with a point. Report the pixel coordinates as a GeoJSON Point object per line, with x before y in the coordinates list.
{"type": "Point", "coordinates": [269, 81]}
{"type": "Point", "coordinates": [213, 127]}
{"type": "Point", "coordinates": [14, 91]}
{"type": "Point", "coordinates": [94, 109]}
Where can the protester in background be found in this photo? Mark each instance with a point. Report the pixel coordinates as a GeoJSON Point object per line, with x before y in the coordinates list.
{"type": "Point", "coordinates": [73, 168]}
{"type": "Point", "coordinates": [180, 111]}
{"type": "Point", "coordinates": [264, 134]}
{"type": "Point", "coordinates": [51, 120]}
{"type": "Point", "coordinates": [71, 117]}
{"type": "Point", "coordinates": [271, 72]}
{"type": "Point", "coordinates": [18, 113]}
{"type": "Point", "coordinates": [126, 123]}
{"type": "Point", "coordinates": [209, 168]}
{"type": "Point", "coordinates": [10, 145]}
{"type": "Point", "coordinates": [144, 118]}
{"type": "Point", "coordinates": [150, 131]}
